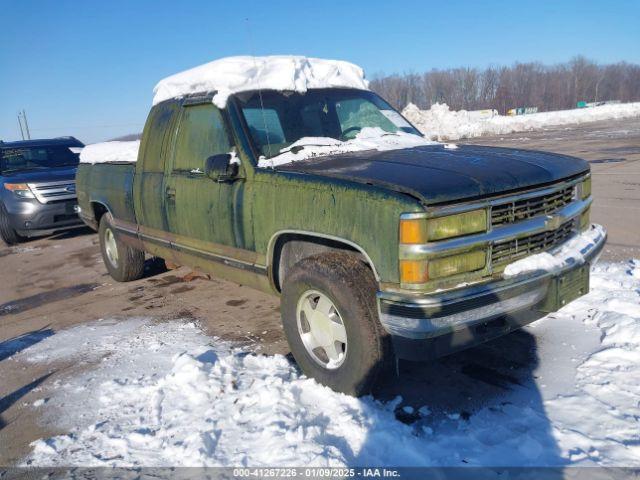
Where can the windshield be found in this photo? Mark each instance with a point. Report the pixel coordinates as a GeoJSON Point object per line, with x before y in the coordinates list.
{"type": "Point", "coordinates": [36, 158]}
{"type": "Point", "coordinates": [280, 119]}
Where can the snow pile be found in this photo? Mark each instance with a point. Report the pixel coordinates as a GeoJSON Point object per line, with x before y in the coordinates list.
{"type": "Point", "coordinates": [108, 152]}
{"type": "Point", "coordinates": [166, 394]}
{"type": "Point", "coordinates": [230, 75]}
{"type": "Point", "coordinates": [369, 138]}
{"type": "Point", "coordinates": [569, 253]}
{"type": "Point", "coordinates": [440, 123]}
{"type": "Point", "coordinates": [601, 419]}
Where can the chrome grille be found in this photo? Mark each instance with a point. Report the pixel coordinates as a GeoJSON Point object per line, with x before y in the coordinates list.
{"type": "Point", "coordinates": [515, 249]}
{"type": "Point", "coordinates": [531, 207]}
{"type": "Point", "coordinates": [54, 191]}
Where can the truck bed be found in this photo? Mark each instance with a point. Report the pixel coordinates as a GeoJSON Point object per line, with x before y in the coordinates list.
{"type": "Point", "coordinates": [108, 184]}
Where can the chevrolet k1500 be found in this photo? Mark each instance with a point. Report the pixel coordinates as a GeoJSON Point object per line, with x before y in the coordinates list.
{"type": "Point", "coordinates": [400, 250]}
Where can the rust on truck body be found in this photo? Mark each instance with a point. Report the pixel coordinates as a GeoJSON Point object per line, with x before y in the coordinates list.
{"type": "Point", "coordinates": [231, 228]}
{"type": "Point", "coordinates": [253, 225]}
{"type": "Point", "coordinates": [236, 224]}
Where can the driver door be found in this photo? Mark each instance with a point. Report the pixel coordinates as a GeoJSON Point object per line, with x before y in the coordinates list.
{"type": "Point", "coordinates": [199, 210]}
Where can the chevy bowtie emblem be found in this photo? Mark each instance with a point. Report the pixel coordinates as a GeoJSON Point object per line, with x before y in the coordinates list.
{"type": "Point", "coordinates": [552, 222]}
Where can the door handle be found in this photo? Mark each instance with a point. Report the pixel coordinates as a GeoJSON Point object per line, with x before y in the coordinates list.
{"type": "Point", "coordinates": [171, 193]}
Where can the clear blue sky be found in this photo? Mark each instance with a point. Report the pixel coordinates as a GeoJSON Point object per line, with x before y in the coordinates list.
{"type": "Point", "coordinates": [87, 68]}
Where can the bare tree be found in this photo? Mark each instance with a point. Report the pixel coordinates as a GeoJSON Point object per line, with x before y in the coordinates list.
{"type": "Point", "coordinates": [552, 87]}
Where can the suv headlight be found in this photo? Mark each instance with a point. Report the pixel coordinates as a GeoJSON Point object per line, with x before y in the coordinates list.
{"type": "Point", "coordinates": [21, 190]}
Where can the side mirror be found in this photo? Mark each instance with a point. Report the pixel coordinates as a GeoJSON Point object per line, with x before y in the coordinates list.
{"type": "Point", "coordinates": [220, 168]}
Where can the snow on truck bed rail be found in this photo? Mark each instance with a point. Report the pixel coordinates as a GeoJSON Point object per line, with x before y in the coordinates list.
{"type": "Point", "coordinates": [230, 75]}
{"type": "Point", "coordinates": [110, 152]}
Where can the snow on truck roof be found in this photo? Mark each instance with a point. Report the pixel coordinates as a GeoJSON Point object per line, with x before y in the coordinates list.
{"type": "Point", "coordinates": [230, 75]}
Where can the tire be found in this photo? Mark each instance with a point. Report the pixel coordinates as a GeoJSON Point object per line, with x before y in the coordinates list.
{"type": "Point", "coordinates": [366, 356]}
{"type": "Point", "coordinates": [123, 262]}
{"type": "Point", "coordinates": [7, 232]}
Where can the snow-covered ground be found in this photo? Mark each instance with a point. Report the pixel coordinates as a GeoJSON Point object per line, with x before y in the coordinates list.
{"type": "Point", "coordinates": [440, 123]}
{"type": "Point", "coordinates": [160, 394]}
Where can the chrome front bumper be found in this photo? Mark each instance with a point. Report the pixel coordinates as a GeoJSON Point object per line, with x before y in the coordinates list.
{"type": "Point", "coordinates": [423, 317]}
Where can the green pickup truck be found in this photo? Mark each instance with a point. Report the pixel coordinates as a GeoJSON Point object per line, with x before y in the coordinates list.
{"type": "Point", "coordinates": [381, 245]}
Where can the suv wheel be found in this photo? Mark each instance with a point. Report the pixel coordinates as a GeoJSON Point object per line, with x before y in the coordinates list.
{"type": "Point", "coordinates": [7, 232]}
{"type": "Point", "coordinates": [123, 262]}
{"type": "Point", "coordinates": [330, 320]}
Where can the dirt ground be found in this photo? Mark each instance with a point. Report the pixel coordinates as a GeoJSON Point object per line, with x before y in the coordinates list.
{"type": "Point", "coordinates": [54, 283]}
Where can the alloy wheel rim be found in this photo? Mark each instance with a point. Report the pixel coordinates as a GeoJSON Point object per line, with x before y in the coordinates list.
{"type": "Point", "coordinates": [110, 247]}
{"type": "Point", "coordinates": [321, 329]}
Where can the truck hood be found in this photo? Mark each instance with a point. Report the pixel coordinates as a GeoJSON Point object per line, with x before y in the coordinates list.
{"type": "Point", "coordinates": [41, 176]}
{"type": "Point", "coordinates": [436, 174]}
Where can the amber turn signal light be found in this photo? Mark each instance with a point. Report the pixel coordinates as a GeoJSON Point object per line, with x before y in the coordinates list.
{"type": "Point", "coordinates": [413, 231]}
{"type": "Point", "coordinates": [413, 271]}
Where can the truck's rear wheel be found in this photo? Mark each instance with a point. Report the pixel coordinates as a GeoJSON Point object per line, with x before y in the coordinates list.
{"type": "Point", "coordinates": [7, 232]}
{"type": "Point", "coordinates": [123, 262]}
{"type": "Point", "coordinates": [330, 319]}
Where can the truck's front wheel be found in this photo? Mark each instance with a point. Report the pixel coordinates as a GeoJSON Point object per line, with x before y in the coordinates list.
{"type": "Point", "coordinates": [123, 262]}
{"type": "Point", "coordinates": [330, 320]}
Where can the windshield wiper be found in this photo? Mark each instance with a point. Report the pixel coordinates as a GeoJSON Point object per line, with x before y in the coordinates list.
{"type": "Point", "coordinates": [297, 148]}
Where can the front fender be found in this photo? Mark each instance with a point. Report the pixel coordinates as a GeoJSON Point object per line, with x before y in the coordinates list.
{"type": "Point", "coordinates": [362, 216]}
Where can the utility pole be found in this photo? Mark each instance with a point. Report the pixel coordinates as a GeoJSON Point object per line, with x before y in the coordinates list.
{"type": "Point", "coordinates": [20, 125]}
{"type": "Point", "coordinates": [22, 118]}
{"type": "Point", "coordinates": [26, 124]}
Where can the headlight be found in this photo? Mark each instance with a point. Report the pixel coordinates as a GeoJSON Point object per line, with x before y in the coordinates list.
{"type": "Point", "coordinates": [21, 190]}
{"type": "Point", "coordinates": [457, 225]}
{"type": "Point", "coordinates": [422, 230]}
{"type": "Point", "coordinates": [585, 189]}
{"type": "Point", "coordinates": [421, 271]}
{"type": "Point", "coordinates": [465, 262]}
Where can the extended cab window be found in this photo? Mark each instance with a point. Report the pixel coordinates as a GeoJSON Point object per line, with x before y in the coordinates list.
{"type": "Point", "coordinates": [156, 138]}
{"type": "Point", "coordinates": [201, 134]}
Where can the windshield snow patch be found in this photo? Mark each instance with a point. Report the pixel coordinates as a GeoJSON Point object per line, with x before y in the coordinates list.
{"type": "Point", "coordinates": [368, 138]}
